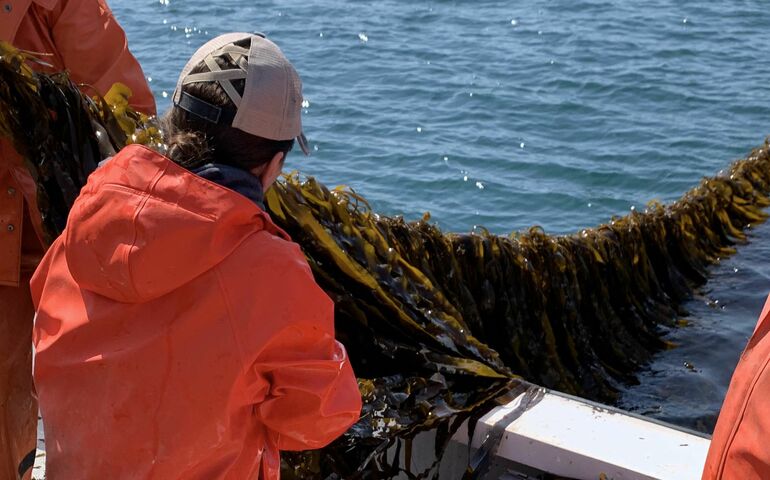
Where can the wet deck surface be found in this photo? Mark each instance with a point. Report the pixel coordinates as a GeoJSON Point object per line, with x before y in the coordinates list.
{"type": "Point", "coordinates": [38, 471]}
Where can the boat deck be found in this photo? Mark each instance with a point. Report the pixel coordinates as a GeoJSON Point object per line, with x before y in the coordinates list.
{"type": "Point", "coordinates": [38, 471]}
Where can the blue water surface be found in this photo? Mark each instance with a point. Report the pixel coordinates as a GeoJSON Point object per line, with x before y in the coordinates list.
{"type": "Point", "coordinates": [506, 115]}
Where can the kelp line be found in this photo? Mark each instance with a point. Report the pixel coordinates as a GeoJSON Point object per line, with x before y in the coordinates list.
{"type": "Point", "coordinates": [579, 313]}
{"type": "Point", "coordinates": [575, 312]}
{"type": "Point", "coordinates": [438, 325]}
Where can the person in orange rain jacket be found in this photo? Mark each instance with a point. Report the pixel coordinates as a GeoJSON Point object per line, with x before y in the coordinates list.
{"type": "Point", "coordinates": [82, 37]}
{"type": "Point", "coordinates": [739, 447]}
{"type": "Point", "coordinates": [179, 332]}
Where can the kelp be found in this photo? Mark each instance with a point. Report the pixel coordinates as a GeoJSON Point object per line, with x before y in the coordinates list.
{"type": "Point", "coordinates": [56, 129]}
{"type": "Point", "coordinates": [51, 131]}
{"type": "Point", "coordinates": [579, 313]}
{"type": "Point", "coordinates": [418, 364]}
{"type": "Point", "coordinates": [438, 325]}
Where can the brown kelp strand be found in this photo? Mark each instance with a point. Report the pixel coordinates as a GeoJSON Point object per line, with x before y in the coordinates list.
{"type": "Point", "coordinates": [438, 325]}
{"type": "Point", "coordinates": [52, 125]}
{"type": "Point", "coordinates": [38, 112]}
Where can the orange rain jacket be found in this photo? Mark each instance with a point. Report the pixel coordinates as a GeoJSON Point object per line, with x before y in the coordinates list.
{"type": "Point", "coordinates": [180, 334]}
{"type": "Point", "coordinates": [83, 37]}
{"type": "Point", "coordinates": [740, 444]}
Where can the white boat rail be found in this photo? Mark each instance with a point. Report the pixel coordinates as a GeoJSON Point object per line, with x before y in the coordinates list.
{"type": "Point", "coordinates": [576, 438]}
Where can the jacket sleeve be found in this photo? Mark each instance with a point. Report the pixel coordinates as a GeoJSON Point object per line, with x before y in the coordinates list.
{"type": "Point", "coordinates": [309, 393]}
{"type": "Point", "coordinates": [94, 49]}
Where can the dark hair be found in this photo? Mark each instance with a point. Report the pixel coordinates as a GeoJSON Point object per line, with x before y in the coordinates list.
{"type": "Point", "coordinates": [192, 142]}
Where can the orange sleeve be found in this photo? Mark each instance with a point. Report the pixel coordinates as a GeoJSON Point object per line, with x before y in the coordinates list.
{"type": "Point", "coordinates": [94, 49]}
{"type": "Point", "coordinates": [314, 396]}
{"type": "Point", "coordinates": [308, 392]}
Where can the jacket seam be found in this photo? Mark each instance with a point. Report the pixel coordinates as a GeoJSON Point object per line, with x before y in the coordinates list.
{"type": "Point", "coordinates": [739, 421]}
{"type": "Point", "coordinates": [230, 317]}
{"type": "Point", "coordinates": [139, 209]}
{"type": "Point", "coordinates": [270, 226]}
{"type": "Point", "coordinates": [199, 179]}
{"type": "Point", "coordinates": [123, 188]}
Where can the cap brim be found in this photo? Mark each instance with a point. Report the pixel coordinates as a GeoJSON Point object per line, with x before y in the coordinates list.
{"type": "Point", "coordinates": [302, 140]}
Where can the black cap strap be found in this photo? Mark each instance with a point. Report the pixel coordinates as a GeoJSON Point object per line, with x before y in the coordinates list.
{"type": "Point", "coordinates": [205, 110]}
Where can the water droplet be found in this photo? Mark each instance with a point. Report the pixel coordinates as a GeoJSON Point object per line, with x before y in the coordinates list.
{"type": "Point", "coordinates": [164, 2]}
{"type": "Point", "coordinates": [321, 34]}
{"type": "Point", "coordinates": [521, 145]}
{"type": "Point", "coordinates": [165, 21]}
{"type": "Point", "coordinates": [633, 207]}
{"type": "Point", "coordinates": [514, 22]}
{"type": "Point", "coordinates": [539, 32]}
{"type": "Point", "coordinates": [590, 204]}
{"type": "Point", "coordinates": [735, 270]}
{"type": "Point", "coordinates": [419, 129]}
{"type": "Point", "coordinates": [470, 94]}
{"type": "Point", "coordinates": [149, 79]}
{"type": "Point", "coordinates": [305, 103]}
{"type": "Point", "coordinates": [684, 20]}
{"type": "Point", "coordinates": [315, 148]}
{"type": "Point", "coordinates": [465, 178]}
{"type": "Point", "coordinates": [165, 94]}
{"type": "Point", "coordinates": [552, 62]}
{"type": "Point", "coordinates": [480, 185]}
{"type": "Point", "coordinates": [363, 37]}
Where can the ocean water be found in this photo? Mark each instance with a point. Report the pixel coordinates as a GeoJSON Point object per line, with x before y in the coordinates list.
{"type": "Point", "coordinates": [554, 113]}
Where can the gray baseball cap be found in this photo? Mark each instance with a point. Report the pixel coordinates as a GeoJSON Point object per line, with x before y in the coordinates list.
{"type": "Point", "coordinates": [271, 104]}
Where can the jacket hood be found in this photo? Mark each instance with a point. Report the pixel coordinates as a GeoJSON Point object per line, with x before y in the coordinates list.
{"type": "Point", "coordinates": [144, 226]}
